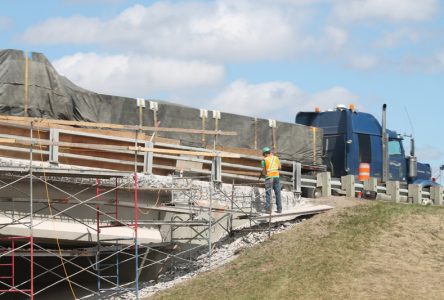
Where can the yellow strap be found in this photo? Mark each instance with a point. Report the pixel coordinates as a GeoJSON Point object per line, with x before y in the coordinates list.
{"type": "Point", "coordinates": [314, 144]}
{"type": "Point", "coordinates": [25, 109]}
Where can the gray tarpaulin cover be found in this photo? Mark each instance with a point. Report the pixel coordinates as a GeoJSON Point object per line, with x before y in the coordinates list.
{"type": "Point", "coordinates": [54, 96]}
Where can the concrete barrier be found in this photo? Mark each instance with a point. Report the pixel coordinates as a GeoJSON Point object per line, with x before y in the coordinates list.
{"type": "Point", "coordinates": [415, 193]}
{"type": "Point", "coordinates": [436, 194]}
{"type": "Point", "coordinates": [348, 185]}
{"type": "Point", "coordinates": [323, 180]}
{"type": "Point", "coordinates": [393, 190]}
{"type": "Point", "coordinates": [371, 184]}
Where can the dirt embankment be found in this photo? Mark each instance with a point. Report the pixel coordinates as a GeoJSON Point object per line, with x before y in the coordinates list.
{"type": "Point", "coordinates": [360, 250]}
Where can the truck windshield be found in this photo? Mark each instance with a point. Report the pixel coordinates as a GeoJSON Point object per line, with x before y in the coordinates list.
{"type": "Point", "coordinates": [394, 147]}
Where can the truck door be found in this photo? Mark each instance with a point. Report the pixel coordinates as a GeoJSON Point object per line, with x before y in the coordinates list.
{"type": "Point", "coordinates": [335, 154]}
{"type": "Point", "coordinates": [397, 163]}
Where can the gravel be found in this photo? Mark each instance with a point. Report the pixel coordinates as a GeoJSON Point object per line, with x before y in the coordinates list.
{"type": "Point", "coordinates": [224, 251]}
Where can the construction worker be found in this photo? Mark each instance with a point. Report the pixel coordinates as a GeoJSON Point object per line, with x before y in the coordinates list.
{"type": "Point", "coordinates": [270, 168]}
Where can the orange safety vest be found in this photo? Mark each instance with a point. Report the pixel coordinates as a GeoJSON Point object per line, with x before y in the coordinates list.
{"type": "Point", "coordinates": [272, 166]}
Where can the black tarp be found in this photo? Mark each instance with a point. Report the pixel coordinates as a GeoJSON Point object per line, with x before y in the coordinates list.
{"type": "Point", "coordinates": [54, 96]}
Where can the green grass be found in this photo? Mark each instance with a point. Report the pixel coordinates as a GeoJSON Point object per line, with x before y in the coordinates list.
{"type": "Point", "coordinates": [315, 260]}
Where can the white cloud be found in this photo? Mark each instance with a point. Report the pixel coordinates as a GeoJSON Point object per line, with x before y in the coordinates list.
{"type": "Point", "coordinates": [279, 100]}
{"type": "Point", "coordinates": [391, 10]}
{"type": "Point", "coordinates": [364, 62]}
{"type": "Point", "coordinates": [73, 30]}
{"type": "Point", "coordinates": [394, 38]}
{"type": "Point", "coordinates": [137, 76]}
{"type": "Point", "coordinates": [224, 30]}
{"type": "Point", "coordinates": [334, 39]}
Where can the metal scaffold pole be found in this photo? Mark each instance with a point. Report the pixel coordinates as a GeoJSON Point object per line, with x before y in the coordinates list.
{"type": "Point", "coordinates": [136, 224]}
{"type": "Point", "coordinates": [31, 215]}
{"type": "Point", "coordinates": [209, 225]}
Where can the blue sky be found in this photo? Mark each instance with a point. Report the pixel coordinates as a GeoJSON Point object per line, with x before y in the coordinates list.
{"type": "Point", "coordinates": [255, 57]}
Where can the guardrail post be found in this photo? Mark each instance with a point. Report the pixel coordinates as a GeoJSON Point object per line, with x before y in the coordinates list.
{"type": "Point", "coordinates": [436, 194]}
{"type": "Point", "coordinates": [415, 193]}
{"type": "Point", "coordinates": [297, 177]}
{"type": "Point", "coordinates": [371, 184]}
{"type": "Point", "coordinates": [53, 147]}
{"type": "Point", "coordinates": [348, 184]}
{"type": "Point", "coordinates": [323, 180]}
{"type": "Point", "coordinates": [393, 190]}
{"type": "Point", "coordinates": [148, 159]}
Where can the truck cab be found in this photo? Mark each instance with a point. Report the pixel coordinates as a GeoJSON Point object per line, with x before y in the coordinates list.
{"type": "Point", "coordinates": [352, 138]}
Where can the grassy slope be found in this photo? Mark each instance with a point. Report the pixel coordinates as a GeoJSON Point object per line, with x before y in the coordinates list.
{"type": "Point", "coordinates": [371, 251]}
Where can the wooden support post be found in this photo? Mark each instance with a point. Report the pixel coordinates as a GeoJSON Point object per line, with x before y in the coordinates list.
{"type": "Point", "coordinates": [393, 190]}
{"type": "Point", "coordinates": [415, 193]}
{"type": "Point", "coordinates": [203, 116]}
{"type": "Point", "coordinates": [154, 106]}
{"type": "Point", "coordinates": [436, 194]}
{"type": "Point", "coordinates": [141, 105]}
{"type": "Point", "coordinates": [272, 124]}
{"type": "Point", "coordinates": [324, 182]}
{"type": "Point", "coordinates": [348, 185]}
{"type": "Point", "coordinates": [255, 133]}
{"type": "Point", "coordinates": [216, 117]}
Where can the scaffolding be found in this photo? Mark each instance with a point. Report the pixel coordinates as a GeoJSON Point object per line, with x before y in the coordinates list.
{"type": "Point", "coordinates": [47, 241]}
{"type": "Point", "coordinates": [42, 229]}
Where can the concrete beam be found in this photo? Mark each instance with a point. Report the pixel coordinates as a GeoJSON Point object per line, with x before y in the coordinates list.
{"type": "Point", "coordinates": [393, 190]}
{"type": "Point", "coordinates": [348, 185]}
{"type": "Point", "coordinates": [415, 193]}
{"type": "Point", "coordinates": [79, 232]}
{"type": "Point", "coordinates": [436, 193]}
{"type": "Point", "coordinates": [323, 181]}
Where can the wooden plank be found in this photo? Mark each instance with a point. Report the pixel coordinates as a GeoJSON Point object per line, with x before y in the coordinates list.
{"type": "Point", "coordinates": [7, 141]}
{"type": "Point", "coordinates": [244, 151]}
{"type": "Point", "coordinates": [22, 128]}
{"type": "Point", "coordinates": [242, 162]}
{"type": "Point", "coordinates": [241, 172]}
{"type": "Point", "coordinates": [38, 122]}
{"type": "Point", "coordinates": [184, 152]}
{"type": "Point", "coordinates": [123, 134]}
{"type": "Point", "coordinates": [15, 129]}
{"type": "Point", "coordinates": [130, 148]}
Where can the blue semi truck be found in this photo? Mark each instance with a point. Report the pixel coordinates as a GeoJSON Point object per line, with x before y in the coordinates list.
{"type": "Point", "coordinates": [352, 138]}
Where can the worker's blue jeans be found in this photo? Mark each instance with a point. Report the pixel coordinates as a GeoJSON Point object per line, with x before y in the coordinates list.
{"type": "Point", "coordinates": [273, 184]}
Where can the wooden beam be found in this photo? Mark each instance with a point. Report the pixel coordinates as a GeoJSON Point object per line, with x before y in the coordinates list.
{"type": "Point", "coordinates": [46, 122]}
{"type": "Point", "coordinates": [130, 148]}
{"type": "Point", "coordinates": [184, 152]}
{"type": "Point", "coordinates": [7, 141]}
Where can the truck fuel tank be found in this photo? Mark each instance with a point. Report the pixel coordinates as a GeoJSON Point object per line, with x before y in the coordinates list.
{"type": "Point", "coordinates": [413, 166]}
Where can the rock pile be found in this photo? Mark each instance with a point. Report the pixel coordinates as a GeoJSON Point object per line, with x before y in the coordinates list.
{"type": "Point", "coordinates": [224, 251]}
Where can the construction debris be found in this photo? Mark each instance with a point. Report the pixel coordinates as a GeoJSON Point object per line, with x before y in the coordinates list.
{"type": "Point", "coordinates": [224, 251]}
